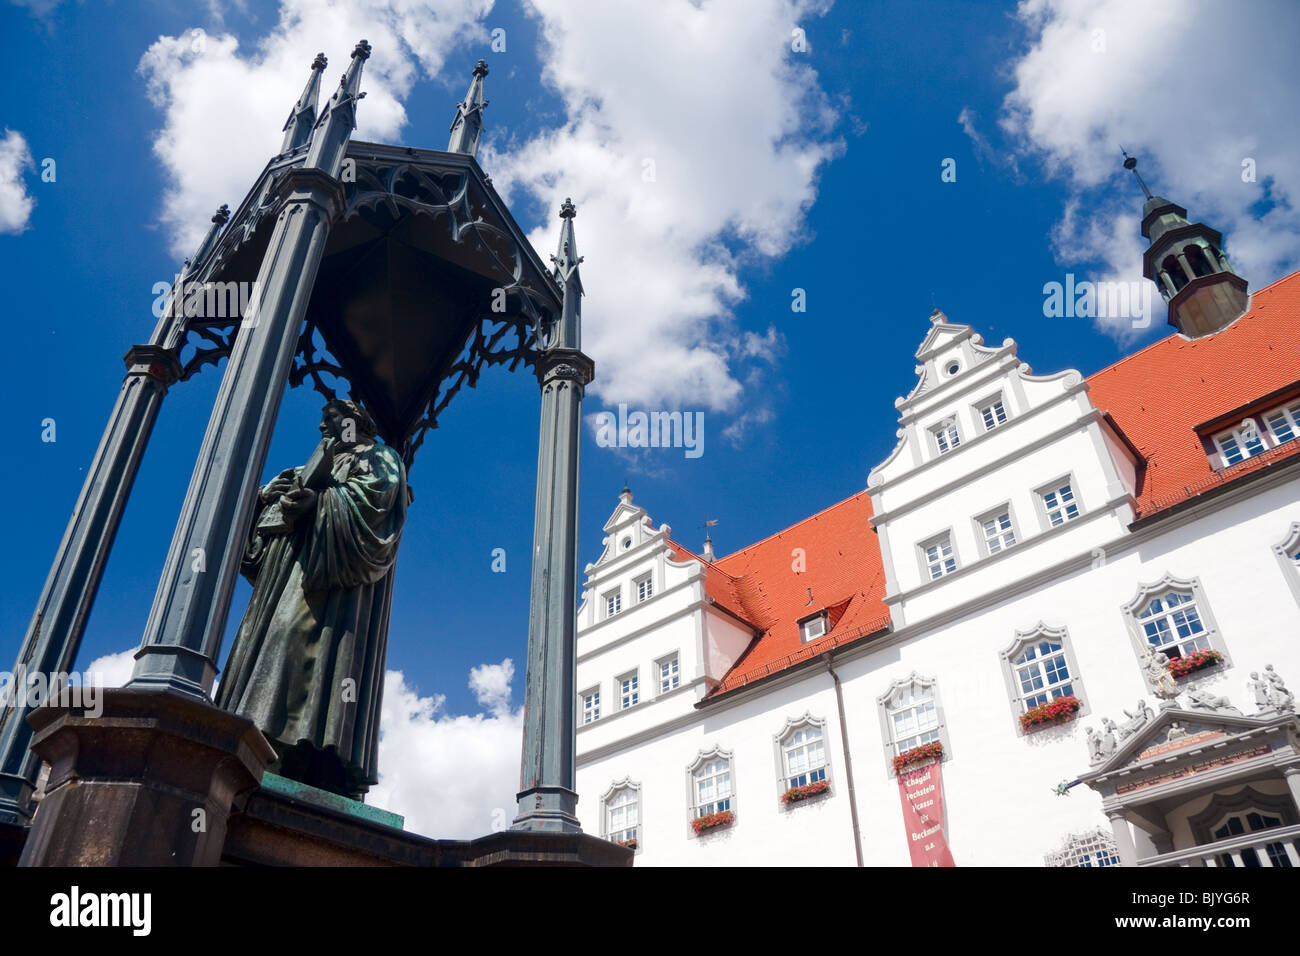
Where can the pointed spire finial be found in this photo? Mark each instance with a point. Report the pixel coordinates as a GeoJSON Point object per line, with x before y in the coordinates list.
{"type": "Point", "coordinates": [467, 127]}
{"type": "Point", "coordinates": [1131, 163]}
{"type": "Point", "coordinates": [329, 137]}
{"type": "Point", "coordinates": [297, 128]}
{"type": "Point", "coordinates": [566, 260]}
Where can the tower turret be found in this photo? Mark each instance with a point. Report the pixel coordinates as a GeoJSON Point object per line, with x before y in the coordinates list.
{"type": "Point", "coordinates": [1186, 262]}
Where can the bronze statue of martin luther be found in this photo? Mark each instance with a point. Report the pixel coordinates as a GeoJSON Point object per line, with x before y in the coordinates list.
{"type": "Point", "coordinates": [308, 660]}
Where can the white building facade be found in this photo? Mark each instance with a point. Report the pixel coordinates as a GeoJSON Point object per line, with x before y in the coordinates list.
{"type": "Point", "coordinates": [1072, 585]}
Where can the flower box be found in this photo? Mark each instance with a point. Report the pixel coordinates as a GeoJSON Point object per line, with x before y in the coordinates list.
{"type": "Point", "coordinates": [714, 821]}
{"type": "Point", "coordinates": [630, 844]}
{"type": "Point", "coordinates": [808, 790]}
{"type": "Point", "coordinates": [1182, 666]}
{"type": "Point", "coordinates": [1056, 711]}
{"type": "Point", "coordinates": [917, 755]}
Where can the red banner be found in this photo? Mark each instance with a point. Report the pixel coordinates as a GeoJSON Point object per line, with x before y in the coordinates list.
{"type": "Point", "coordinates": [921, 790]}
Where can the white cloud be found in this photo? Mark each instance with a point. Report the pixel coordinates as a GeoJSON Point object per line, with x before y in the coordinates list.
{"type": "Point", "coordinates": [709, 102]}
{"type": "Point", "coordinates": [111, 670]}
{"type": "Point", "coordinates": [15, 202]}
{"type": "Point", "coordinates": [491, 685]}
{"type": "Point", "coordinates": [452, 777]}
{"type": "Point", "coordinates": [223, 108]}
{"type": "Point", "coordinates": [1192, 93]}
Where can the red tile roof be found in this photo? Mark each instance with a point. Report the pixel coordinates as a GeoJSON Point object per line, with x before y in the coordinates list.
{"type": "Point", "coordinates": [1158, 397]}
{"type": "Point", "coordinates": [1161, 395]}
{"type": "Point", "coordinates": [841, 568]}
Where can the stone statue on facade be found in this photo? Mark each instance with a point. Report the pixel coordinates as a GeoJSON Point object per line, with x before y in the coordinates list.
{"type": "Point", "coordinates": [307, 661]}
{"type": "Point", "coordinates": [1101, 745]}
{"type": "Point", "coordinates": [1202, 699]}
{"type": "Point", "coordinates": [1137, 718]}
{"type": "Point", "coordinates": [1279, 698]}
{"type": "Point", "coordinates": [1155, 664]}
{"type": "Point", "coordinates": [1176, 732]}
{"type": "Point", "coordinates": [1260, 689]}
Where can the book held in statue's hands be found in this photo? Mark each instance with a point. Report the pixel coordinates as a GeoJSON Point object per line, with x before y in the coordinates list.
{"type": "Point", "coordinates": [314, 475]}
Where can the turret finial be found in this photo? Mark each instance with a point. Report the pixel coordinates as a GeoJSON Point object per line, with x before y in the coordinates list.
{"type": "Point", "coordinates": [1131, 163]}
{"type": "Point", "coordinates": [297, 128]}
{"type": "Point", "coordinates": [467, 127]}
{"type": "Point", "coordinates": [222, 215]}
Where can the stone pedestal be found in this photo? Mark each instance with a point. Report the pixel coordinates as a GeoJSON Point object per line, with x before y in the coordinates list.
{"type": "Point", "coordinates": [150, 782]}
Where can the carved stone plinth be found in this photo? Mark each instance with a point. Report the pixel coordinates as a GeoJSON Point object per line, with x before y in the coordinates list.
{"type": "Point", "coordinates": [150, 782]}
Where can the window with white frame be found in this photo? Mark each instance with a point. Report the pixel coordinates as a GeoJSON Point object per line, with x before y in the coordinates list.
{"type": "Point", "coordinates": [803, 753]}
{"type": "Point", "coordinates": [1288, 555]}
{"type": "Point", "coordinates": [711, 784]}
{"type": "Point", "coordinates": [1039, 667]}
{"type": "Point", "coordinates": [591, 705]}
{"type": "Point", "coordinates": [622, 804]}
{"type": "Point", "coordinates": [1171, 623]}
{"type": "Point", "coordinates": [613, 603]}
{"type": "Point", "coordinates": [911, 715]}
{"type": "Point", "coordinates": [629, 692]}
{"type": "Point", "coordinates": [1059, 504]}
{"type": "Point", "coordinates": [1094, 848]}
{"type": "Point", "coordinates": [1173, 617]}
{"type": "Point", "coordinates": [913, 718]}
{"type": "Point", "coordinates": [1283, 423]}
{"type": "Point", "coordinates": [946, 436]}
{"type": "Point", "coordinates": [996, 530]}
{"type": "Point", "coordinates": [1238, 444]}
{"type": "Point", "coordinates": [645, 589]}
{"type": "Point", "coordinates": [993, 414]}
{"type": "Point", "coordinates": [938, 557]}
{"type": "Point", "coordinates": [813, 628]}
{"type": "Point", "coordinates": [669, 674]}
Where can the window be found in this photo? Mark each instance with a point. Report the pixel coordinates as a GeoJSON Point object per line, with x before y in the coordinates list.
{"type": "Point", "coordinates": [1172, 617]}
{"type": "Point", "coordinates": [645, 589]}
{"type": "Point", "coordinates": [1230, 816]}
{"type": "Point", "coordinates": [629, 694]}
{"type": "Point", "coordinates": [814, 627]}
{"type": "Point", "coordinates": [998, 534]}
{"type": "Point", "coordinates": [946, 437]}
{"type": "Point", "coordinates": [910, 715]}
{"type": "Point", "coordinates": [802, 753]}
{"type": "Point", "coordinates": [711, 784]}
{"type": "Point", "coordinates": [1059, 504]}
{"type": "Point", "coordinates": [1172, 624]}
{"type": "Point", "coordinates": [1239, 444]}
{"type": "Point", "coordinates": [613, 603]}
{"type": "Point", "coordinates": [1288, 555]}
{"type": "Point", "coordinates": [1039, 667]}
{"type": "Point", "coordinates": [622, 803]}
{"type": "Point", "coordinates": [1284, 423]}
{"type": "Point", "coordinates": [939, 557]}
{"type": "Point", "coordinates": [1094, 848]}
{"type": "Point", "coordinates": [993, 414]}
{"type": "Point", "coordinates": [591, 705]}
{"type": "Point", "coordinates": [669, 674]}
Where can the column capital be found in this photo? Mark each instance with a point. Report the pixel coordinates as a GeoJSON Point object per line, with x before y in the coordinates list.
{"type": "Point", "coordinates": [154, 361]}
{"type": "Point", "coordinates": [570, 365]}
{"type": "Point", "coordinates": [308, 184]}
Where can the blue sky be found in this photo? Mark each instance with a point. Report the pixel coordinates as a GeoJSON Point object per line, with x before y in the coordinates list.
{"type": "Point", "coordinates": [777, 169]}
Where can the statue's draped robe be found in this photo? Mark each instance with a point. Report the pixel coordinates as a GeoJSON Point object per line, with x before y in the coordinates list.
{"type": "Point", "coordinates": [307, 664]}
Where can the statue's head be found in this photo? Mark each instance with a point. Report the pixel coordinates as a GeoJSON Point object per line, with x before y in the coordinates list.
{"type": "Point", "coordinates": [347, 421]}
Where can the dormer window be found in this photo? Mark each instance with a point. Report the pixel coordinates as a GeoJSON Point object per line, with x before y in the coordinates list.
{"type": "Point", "coordinates": [1239, 444]}
{"type": "Point", "coordinates": [946, 436]}
{"type": "Point", "coordinates": [1284, 423]}
{"type": "Point", "coordinates": [813, 628]}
